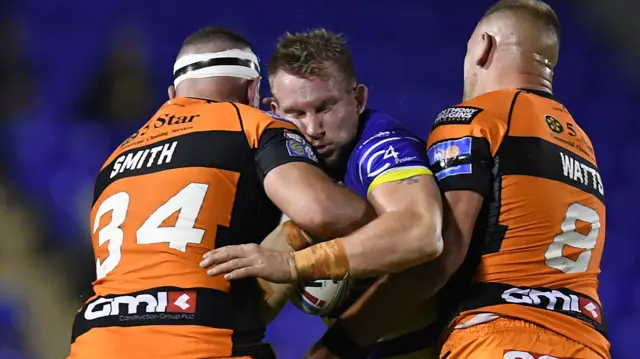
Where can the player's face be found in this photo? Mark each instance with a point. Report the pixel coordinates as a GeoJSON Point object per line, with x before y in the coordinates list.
{"type": "Point", "coordinates": [325, 110]}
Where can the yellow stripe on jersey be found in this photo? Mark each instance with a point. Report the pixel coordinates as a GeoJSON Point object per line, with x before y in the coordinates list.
{"type": "Point", "coordinates": [398, 174]}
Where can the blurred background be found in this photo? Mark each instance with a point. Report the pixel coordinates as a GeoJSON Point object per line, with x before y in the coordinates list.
{"type": "Point", "coordinates": [77, 77]}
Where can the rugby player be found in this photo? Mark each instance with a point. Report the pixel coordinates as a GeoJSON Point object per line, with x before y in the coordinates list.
{"type": "Point", "coordinates": [524, 204]}
{"type": "Point", "coordinates": [313, 81]}
{"type": "Point", "coordinates": [204, 172]}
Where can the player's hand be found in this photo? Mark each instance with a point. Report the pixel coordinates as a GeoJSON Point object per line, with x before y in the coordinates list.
{"type": "Point", "coordinates": [267, 101]}
{"type": "Point", "coordinates": [250, 260]}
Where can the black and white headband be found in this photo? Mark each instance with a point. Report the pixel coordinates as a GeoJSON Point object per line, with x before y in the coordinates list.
{"type": "Point", "coordinates": [230, 63]}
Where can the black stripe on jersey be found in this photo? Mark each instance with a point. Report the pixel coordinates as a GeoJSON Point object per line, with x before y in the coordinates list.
{"type": "Point", "coordinates": [495, 231]}
{"type": "Point", "coordinates": [453, 162]}
{"type": "Point", "coordinates": [560, 300]}
{"type": "Point", "coordinates": [158, 306]}
{"type": "Point", "coordinates": [534, 156]}
{"type": "Point", "coordinates": [177, 306]}
{"type": "Point", "coordinates": [226, 150]}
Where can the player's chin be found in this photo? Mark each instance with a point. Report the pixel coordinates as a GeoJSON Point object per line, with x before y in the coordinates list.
{"type": "Point", "coordinates": [330, 159]}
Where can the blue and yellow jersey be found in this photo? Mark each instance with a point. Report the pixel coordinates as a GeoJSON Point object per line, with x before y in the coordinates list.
{"type": "Point", "coordinates": [385, 152]}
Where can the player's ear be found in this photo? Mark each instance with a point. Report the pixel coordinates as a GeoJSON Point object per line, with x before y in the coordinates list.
{"type": "Point", "coordinates": [172, 92]}
{"type": "Point", "coordinates": [253, 94]}
{"type": "Point", "coordinates": [488, 47]}
{"type": "Point", "coordinates": [362, 95]}
{"type": "Point", "coordinates": [273, 104]}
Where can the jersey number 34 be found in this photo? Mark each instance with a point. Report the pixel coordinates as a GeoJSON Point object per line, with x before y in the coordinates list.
{"type": "Point", "coordinates": [188, 201]}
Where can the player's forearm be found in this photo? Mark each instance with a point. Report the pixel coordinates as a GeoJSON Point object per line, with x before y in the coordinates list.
{"type": "Point", "coordinates": [316, 204]}
{"type": "Point", "coordinates": [367, 320]}
{"type": "Point", "coordinates": [394, 241]}
{"type": "Point", "coordinates": [335, 212]}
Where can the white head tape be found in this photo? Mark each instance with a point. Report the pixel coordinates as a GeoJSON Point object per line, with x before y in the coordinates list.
{"type": "Point", "coordinates": [230, 63]}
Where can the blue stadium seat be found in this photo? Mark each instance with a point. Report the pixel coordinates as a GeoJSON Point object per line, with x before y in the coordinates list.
{"type": "Point", "coordinates": [411, 56]}
{"type": "Point", "coordinates": [10, 337]}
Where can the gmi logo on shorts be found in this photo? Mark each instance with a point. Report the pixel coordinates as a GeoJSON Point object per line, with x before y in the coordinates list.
{"type": "Point", "coordinates": [181, 302]}
{"type": "Point", "coordinates": [554, 300]}
{"type": "Point", "coordinates": [518, 354]}
{"type": "Point", "coordinates": [144, 306]}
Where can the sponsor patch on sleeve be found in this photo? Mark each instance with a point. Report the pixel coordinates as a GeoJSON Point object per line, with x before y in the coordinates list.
{"type": "Point", "coordinates": [300, 149]}
{"type": "Point", "coordinates": [445, 157]}
{"type": "Point", "coordinates": [388, 153]}
{"type": "Point", "coordinates": [458, 115]}
{"type": "Point", "coordinates": [294, 136]}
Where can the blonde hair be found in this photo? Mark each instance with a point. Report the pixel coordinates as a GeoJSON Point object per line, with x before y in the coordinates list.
{"type": "Point", "coordinates": [537, 9]}
{"type": "Point", "coordinates": [310, 54]}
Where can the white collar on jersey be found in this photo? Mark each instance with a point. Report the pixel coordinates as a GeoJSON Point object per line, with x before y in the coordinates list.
{"type": "Point", "coordinates": [230, 63]}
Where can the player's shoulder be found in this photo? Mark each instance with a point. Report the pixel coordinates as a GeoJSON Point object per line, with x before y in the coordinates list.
{"type": "Point", "coordinates": [265, 118]}
{"type": "Point", "coordinates": [377, 126]}
{"type": "Point", "coordinates": [257, 114]}
{"type": "Point", "coordinates": [494, 99]}
{"type": "Point", "coordinates": [374, 119]}
{"type": "Point", "coordinates": [384, 145]}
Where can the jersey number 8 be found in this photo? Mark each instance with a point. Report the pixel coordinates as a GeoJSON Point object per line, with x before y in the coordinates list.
{"type": "Point", "coordinates": [571, 237]}
{"type": "Point", "coordinates": [188, 201]}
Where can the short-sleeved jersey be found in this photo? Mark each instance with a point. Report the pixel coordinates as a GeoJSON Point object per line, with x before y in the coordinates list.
{"type": "Point", "coordinates": [386, 152]}
{"type": "Point", "coordinates": [190, 180]}
{"type": "Point", "coordinates": [539, 238]}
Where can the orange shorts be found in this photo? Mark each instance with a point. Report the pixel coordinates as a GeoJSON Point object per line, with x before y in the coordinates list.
{"type": "Point", "coordinates": [505, 338]}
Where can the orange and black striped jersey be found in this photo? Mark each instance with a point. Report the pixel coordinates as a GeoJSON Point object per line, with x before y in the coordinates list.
{"type": "Point", "coordinates": [538, 241]}
{"type": "Point", "coordinates": [190, 180]}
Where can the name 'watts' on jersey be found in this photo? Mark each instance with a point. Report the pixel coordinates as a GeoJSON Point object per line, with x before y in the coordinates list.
{"type": "Point", "coordinates": [581, 173]}
{"type": "Point", "coordinates": [146, 158]}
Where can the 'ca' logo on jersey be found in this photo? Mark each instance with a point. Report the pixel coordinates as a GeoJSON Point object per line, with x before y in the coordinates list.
{"type": "Point", "coordinates": [553, 124]}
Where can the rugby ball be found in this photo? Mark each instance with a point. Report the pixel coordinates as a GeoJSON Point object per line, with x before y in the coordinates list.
{"type": "Point", "coordinates": [320, 297]}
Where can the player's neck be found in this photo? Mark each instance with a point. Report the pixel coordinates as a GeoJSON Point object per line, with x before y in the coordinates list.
{"type": "Point", "coordinates": [213, 89]}
{"type": "Point", "coordinates": [521, 80]}
{"type": "Point", "coordinates": [211, 96]}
